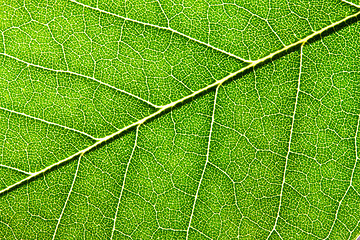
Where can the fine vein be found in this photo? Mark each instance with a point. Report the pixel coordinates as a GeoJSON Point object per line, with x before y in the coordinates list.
{"type": "Point", "coordinates": [81, 75]}
{"type": "Point", "coordinates": [15, 169]}
{"type": "Point", "coordinates": [351, 179]}
{"type": "Point", "coordinates": [164, 28]}
{"type": "Point", "coordinates": [177, 102]}
{"type": "Point", "coordinates": [124, 179]}
{"type": "Point", "coordinates": [68, 197]}
{"type": "Point", "coordinates": [289, 145]}
{"type": "Point", "coordinates": [47, 122]}
{"type": "Point", "coordinates": [206, 162]}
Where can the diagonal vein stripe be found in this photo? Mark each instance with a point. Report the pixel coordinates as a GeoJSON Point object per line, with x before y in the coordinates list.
{"type": "Point", "coordinates": [164, 28]}
{"type": "Point", "coordinates": [84, 76]}
{"type": "Point", "coordinates": [48, 122]}
{"type": "Point", "coordinates": [182, 100]}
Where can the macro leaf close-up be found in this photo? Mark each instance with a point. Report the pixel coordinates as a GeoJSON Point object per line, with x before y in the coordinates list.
{"type": "Point", "coordinates": [169, 119]}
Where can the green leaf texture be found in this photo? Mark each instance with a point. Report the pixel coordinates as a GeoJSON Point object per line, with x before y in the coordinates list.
{"type": "Point", "coordinates": [196, 119]}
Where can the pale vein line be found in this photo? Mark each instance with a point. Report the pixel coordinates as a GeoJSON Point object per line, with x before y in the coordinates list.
{"type": "Point", "coordinates": [350, 3]}
{"type": "Point", "coordinates": [15, 169]}
{"type": "Point", "coordinates": [68, 197]}
{"type": "Point", "coordinates": [81, 75]}
{"type": "Point", "coordinates": [50, 123]}
{"type": "Point", "coordinates": [289, 145]}
{"type": "Point", "coordinates": [356, 150]}
{"type": "Point", "coordinates": [12, 231]}
{"type": "Point", "coordinates": [164, 28]}
{"type": "Point", "coordinates": [201, 233]}
{"type": "Point", "coordinates": [256, 15]}
{"type": "Point", "coordinates": [223, 172]}
{"type": "Point", "coordinates": [351, 179]}
{"type": "Point", "coordinates": [298, 228]}
{"type": "Point", "coordinates": [123, 185]}
{"type": "Point", "coordinates": [275, 33]}
{"type": "Point", "coordinates": [351, 232]}
{"type": "Point", "coordinates": [175, 103]}
{"type": "Point", "coordinates": [167, 19]}
{"type": "Point", "coordinates": [206, 162]}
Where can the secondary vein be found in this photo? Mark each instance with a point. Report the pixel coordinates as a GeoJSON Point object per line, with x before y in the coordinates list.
{"type": "Point", "coordinates": [48, 122]}
{"type": "Point", "coordinates": [15, 169]}
{"type": "Point", "coordinates": [351, 3]}
{"type": "Point", "coordinates": [351, 179]}
{"type": "Point", "coordinates": [289, 146]}
{"type": "Point", "coordinates": [206, 162]}
{"type": "Point", "coordinates": [123, 185]}
{"type": "Point", "coordinates": [164, 28]}
{"type": "Point", "coordinates": [68, 197]}
{"type": "Point", "coordinates": [84, 76]}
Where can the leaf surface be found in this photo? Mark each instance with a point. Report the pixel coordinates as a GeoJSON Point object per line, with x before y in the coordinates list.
{"type": "Point", "coordinates": [179, 120]}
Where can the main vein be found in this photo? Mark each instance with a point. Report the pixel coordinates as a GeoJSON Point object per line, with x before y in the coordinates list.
{"type": "Point", "coordinates": [182, 100]}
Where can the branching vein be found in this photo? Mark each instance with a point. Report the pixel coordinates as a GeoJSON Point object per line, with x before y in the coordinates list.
{"type": "Point", "coordinates": [289, 145]}
{"type": "Point", "coordinates": [124, 179]}
{"type": "Point", "coordinates": [15, 169]}
{"type": "Point", "coordinates": [164, 28]}
{"type": "Point", "coordinates": [84, 76]}
{"type": "Point", "coordinates": [48, 122]}
{"type": "Point", "coordinates": [180, 101]}
{"type": "Point", "coordinates": [68, 197]}
{"type": "Point", "coordinates": [206, 163]}
{"type": "Point", "coordinates": [351, 179]}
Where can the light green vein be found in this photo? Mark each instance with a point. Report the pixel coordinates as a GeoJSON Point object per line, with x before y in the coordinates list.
{"type": "Point", "coordinates": [48, 122]}
{"type": "Point", "coordinates": [351, 179]}
{"type": "Point", "coordinates": [124, 179]}
{"type": "Point", "coordinates": [164, 28]}
{"type": "Point", "coordinates": [289, 145]}
{"type": "Point", "coordinates": [350, 3]}
{"type": "Point", "coordinates": [206, 162]}
{"type": "Point", "coordinates": [182, 100]}
{"type": "Point", "coordinates": [84, 76]}
{"type": "Point", "coordinates": [15, 169]}
{"type": "Point", "coordinates": [68, 197]}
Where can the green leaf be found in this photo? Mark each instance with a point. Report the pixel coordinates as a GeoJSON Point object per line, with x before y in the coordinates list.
{"type": "Point", "coordinates": [179, 119]}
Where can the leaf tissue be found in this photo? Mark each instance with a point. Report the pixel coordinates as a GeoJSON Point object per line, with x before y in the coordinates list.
{"type": "Point", "coordinates": [169, 119]}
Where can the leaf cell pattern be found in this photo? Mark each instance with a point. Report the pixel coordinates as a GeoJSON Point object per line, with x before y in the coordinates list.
{"type": "Point", "coordinates": [179, 120]}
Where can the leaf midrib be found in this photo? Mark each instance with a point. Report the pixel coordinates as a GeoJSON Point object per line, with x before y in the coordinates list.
{"type": "Point", "coordinates": [178, 102]}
